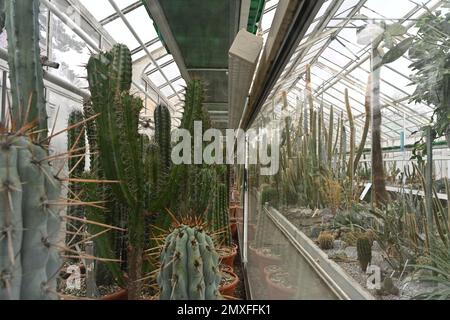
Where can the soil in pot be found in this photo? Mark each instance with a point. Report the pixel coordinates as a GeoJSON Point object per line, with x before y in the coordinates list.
{"type": "Point", "coordinates": [280, 287]}
{"type": "Point", "coordinates": [119, 295]}
{"type": "Point", "coordinates": [266, 257]}
{"type": "Point", "coordinates": [228, 284]}
{"type": "Point", "coordinates": [227, 256]}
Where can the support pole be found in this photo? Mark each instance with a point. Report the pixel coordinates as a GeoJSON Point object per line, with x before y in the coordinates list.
{"type": "Point", "coordinates": [429, 185]}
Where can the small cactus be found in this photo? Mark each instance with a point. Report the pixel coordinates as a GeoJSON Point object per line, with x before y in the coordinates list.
{"type": "Point", "coordinates": [189, 266]}
{"type": "Point", "coordinates": [364, 250]}
{"type": "Point", "coordinates": [326, 240]}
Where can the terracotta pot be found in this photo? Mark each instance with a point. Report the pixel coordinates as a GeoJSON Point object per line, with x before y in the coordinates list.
{"type": "Point", "coordinates": [119, 295]}
{"type": "Point", "coordinates": [266, 260]}
{"type": "Point", "coordinates": [234, 230]}
{"type": "Point", "coordinates": [253, 257]}
{"type": "Point", "coordinates": [229, 289]}
{"type": "Point", "coordinates": [225, 268]}
{"type": "Point", "coordinates": [228, 258]}
{"type": "Point", "coordinates": [278, 292]}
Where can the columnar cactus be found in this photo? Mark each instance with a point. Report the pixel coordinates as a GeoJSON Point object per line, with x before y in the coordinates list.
{"type": "Point", "coordinates": [120, 145]}
{"type": "Point", "coordinates": [24, 60]}
{"type": "Point", "coordinates": [163, 140]}
{"type": "Point", "coordinates": [29, 210]}
{"type": "Point", "coordinates": [364, 250]}
{"type": "Point", "coordinates": [220, 218]}
{"type": "Point", "coordinates": [189, 266]}
{"type": "Point", "coordinates": [2, 15]}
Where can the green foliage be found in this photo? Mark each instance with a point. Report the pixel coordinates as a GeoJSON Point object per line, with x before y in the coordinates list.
{"type": "Point", "coordinates": [437, 272]}
{"type": "Point", "coordinates": [430, 52]}
{"type": "Point", "coordinates": [189, 266]}
{"type": "Point", "coordinates": [270, 195]}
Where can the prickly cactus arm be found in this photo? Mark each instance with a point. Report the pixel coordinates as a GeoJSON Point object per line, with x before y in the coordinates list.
{"type": "Point", "coordinates": [180, 277]}
{"type": "Point", "coordinates": [35, 245]}
{"type": "Point", "coordinates": [193, 106]}
{"type": "Point", "coordinates": [364, 250]}
{"type": "Point", "coordinates": [163, 139]}
{"type": "Point", "coordinates": [330, 137]}
{"type": "Point", "coordinates": [26, 74]}
{"type": "Point", "coordinates": [350, 169]}
{"type": "Point", "coordinates": [367, 106]}
{"type": "Point", "coordinates": [10, 222]}
{"type": "Point", "coordinates": [210, 267]}
{"type": "Point", "coordinates": [53, 211]}
{"type": "Point", "coordinates": [121, 71]}
{"type": "Point", "coordinates": [196, 283]}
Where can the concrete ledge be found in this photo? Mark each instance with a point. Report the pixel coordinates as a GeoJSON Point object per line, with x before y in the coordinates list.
{"type": "Point", "coordinates": [344, 286]}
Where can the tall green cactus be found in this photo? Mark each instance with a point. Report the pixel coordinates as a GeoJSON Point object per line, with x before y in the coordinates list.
{"type": "Point", "coordinates": [120, 145]}
{"type": "Point", "coordinates": [163, 140]}
{"type": "Point", "coordinates": [189, 266]}
{"type": "Point", "coordinates": [29, 209]}
{"type": "Point", "coordinates": [220, 215]}
{"type": "Point", "coordinates": [24, 59]}
{"type": "Point", "coordinates": [364, 250]}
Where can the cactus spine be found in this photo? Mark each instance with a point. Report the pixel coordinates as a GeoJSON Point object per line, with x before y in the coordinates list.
{"type": "Point", "coordinates": [364, 250]}
{"type": "Point", "coordinates": [189, 266]}
{"type": "Point", "coordinates": [29, 214]}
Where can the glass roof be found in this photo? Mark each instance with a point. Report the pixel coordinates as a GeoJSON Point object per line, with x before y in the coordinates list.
{"type": "Point", "coordinates": [124, 20]}
{"type": "Point", "coordinates": [338, 62]}
{"type": "Point", "coordinates": [330, 47]}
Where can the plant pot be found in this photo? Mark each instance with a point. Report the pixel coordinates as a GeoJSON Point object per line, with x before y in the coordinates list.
{"type": "Point", "coordinates": [119, 295]}
{"type": "Point", "coordinates": [277, 291]}
{"type": "Point", "coordinates": [234, 230]}
{"type": "Point", "coordinates": [225, 268]}
{"type": "Point", "coordinates": [264, 259]}
{"type": "Point", "coordinates": [229, 288]}
{"type": "Point", "coordinates": [227, 256]}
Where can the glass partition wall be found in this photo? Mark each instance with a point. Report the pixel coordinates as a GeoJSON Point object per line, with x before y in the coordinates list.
{"type": "Point", "coordinates": [358, 163]}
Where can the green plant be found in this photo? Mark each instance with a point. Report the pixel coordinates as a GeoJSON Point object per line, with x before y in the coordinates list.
{"type": "Point", "coordinates": [120, 146]}
{"type": "Point", "coordinates": [364, 250]}
{"type": "Point", "coordinates": [430, 52]}
{"type": "Point", "coordinates": [325, 240]}
{"type": "Point", "coordinates": [270, 196]}
{"type": "Point", "coordinates": [2, 16]}
{"type": "Point", "coordinates": [24, 61]}
{"type": "Point", "coordinates": [437, 266]}
{"type": "Point", "coordinates": [367, 105]}
{"type": "Point", "coordinates": [163, 126]}
{"type": "Point", "coordinates": [189, 266]}
{"type": "Point", "coordinates": [30, 192]}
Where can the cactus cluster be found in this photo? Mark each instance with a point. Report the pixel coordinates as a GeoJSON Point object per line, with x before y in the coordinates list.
{"type": "Point", "coordinates": [325, 240]}
{"type": "Point", "coordinates": [30, 217]}
{"type": "Point", "coordinates": [189, 266]}
{"type": "Point", "coordinates": [364, 250]}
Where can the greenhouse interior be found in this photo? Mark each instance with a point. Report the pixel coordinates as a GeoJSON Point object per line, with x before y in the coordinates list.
{"type": "Point", "coordinates": [225, 150]}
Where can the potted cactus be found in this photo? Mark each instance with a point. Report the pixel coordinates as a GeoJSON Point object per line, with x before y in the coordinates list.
{"type": "Point", "coordinates": [189, 266]}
